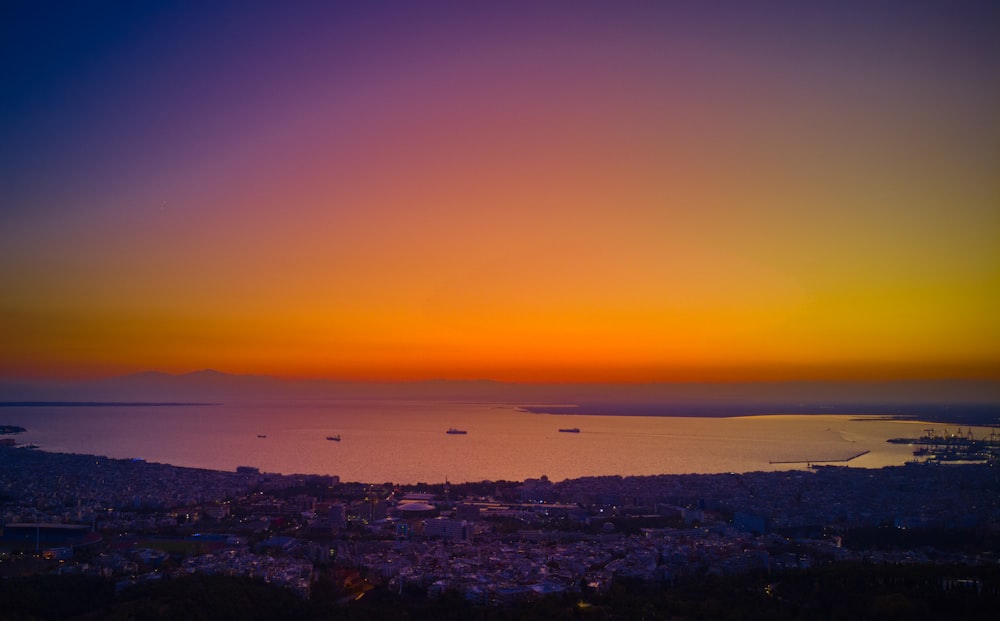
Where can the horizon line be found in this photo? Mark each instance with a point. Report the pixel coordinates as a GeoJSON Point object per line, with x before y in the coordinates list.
{"type": "Point", "coordinates": [481, 380]}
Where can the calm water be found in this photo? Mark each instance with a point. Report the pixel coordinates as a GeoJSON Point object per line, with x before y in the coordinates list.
{"type": "Point", "coordinates": [405, 442]}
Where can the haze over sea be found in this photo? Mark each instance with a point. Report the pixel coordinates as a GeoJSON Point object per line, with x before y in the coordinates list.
{"type": "Point", "coordinates": [405, 441]}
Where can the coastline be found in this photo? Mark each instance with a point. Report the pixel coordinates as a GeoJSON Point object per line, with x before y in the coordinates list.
{"type": "Point", "coordinates": [977, 414]}
{"type": "Point", "coordinates": [507, 443]}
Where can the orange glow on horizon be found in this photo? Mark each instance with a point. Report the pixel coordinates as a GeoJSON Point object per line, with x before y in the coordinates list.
{"type": "Point", "coordinates": [648, 195]}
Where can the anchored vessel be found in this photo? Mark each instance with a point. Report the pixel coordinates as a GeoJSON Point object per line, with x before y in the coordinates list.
{"type": "Point", "coordinates": [570, 430]}
{"type": "Point", "coordinates": [335, 438]}
{"type": "Point", "coordinates": [454, 431]}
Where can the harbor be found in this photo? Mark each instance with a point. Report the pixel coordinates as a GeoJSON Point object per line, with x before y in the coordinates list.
{"type": "Point", "coordinates": [953, 447]}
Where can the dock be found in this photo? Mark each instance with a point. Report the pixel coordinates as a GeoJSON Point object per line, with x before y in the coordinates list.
{"type": "Point", "coordinates": [820, 461]}
{"type": "Point", "coordinates": [953, 447]}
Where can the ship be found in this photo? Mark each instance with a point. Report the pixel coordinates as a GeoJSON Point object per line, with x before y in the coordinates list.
{"type": "Point", "coordinates": [570, 430]}
{"type": "Point", "coordinates": [454, 431]}
{"type": "Point", "coordinates": [260, 435]}
{"type": "Point", "coordinates": [335, 438]}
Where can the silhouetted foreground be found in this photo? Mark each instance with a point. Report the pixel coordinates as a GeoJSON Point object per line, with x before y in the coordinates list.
{"type": "Point", "coordinates": [840, 591]}
{"type": "Point", "coordinates": [87, 537]}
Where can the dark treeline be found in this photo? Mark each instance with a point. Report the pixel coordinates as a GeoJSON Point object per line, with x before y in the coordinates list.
{"type": "Point", "coordinates": [840, 591]}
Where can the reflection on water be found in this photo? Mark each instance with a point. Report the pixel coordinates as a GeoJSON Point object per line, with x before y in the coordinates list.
{"type": "Point", "coordinates": [405, 442]}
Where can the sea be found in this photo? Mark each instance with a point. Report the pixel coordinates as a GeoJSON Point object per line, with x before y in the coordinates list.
{"type": "Point", "coordinates": [406, 441]}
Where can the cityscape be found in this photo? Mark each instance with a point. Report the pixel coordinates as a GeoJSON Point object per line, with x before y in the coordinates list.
{"type": "Point", "coordinates": [490, 543]}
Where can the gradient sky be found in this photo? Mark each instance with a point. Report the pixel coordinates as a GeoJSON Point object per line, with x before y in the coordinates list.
{"type": "Point", "coordinates": [523, 191]}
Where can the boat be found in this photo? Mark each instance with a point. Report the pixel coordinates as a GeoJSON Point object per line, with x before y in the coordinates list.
{"type": "Point", "coordinates": [454, 431]}
{"type": "Point", "coordinates": [570, 430]}
{"type": "Point", "coordinates": [335, 438]}
{"type": "Point", "coordinates": [260, 435]}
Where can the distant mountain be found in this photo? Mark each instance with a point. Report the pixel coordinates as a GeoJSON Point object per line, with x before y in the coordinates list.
{"type": "Point", "coordinates": [216, 387]}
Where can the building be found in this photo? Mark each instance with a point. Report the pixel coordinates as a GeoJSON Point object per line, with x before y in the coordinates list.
{"type": "Point", "coordinates": [455, 530]}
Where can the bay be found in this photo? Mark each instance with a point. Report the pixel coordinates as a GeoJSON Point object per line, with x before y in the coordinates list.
{"type": "Point", "coordinates": [405, 441]}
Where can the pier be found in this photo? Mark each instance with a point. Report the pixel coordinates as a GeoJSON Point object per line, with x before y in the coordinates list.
{"type": "Point", "coordinates": [820, 461]}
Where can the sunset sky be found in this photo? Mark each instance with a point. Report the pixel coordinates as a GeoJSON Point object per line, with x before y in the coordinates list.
{"type": "Point", "coordinates": [521, 191]}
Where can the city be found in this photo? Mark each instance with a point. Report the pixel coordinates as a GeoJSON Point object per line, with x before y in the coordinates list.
{"type": "Point", "coordinates": [494, 543]}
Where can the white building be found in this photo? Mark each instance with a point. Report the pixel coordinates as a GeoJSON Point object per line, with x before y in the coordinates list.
{"type": "Point", "coordinates": [457, 530]}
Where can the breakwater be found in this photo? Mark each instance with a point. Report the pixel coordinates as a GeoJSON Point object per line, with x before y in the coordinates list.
{"type": "Point", "coordinates": [820, 461]}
